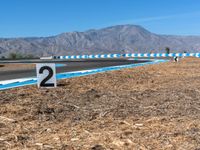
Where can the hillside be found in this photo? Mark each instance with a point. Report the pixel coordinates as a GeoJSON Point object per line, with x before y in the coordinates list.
{"type": "Point", "coordinates": [116, 39]}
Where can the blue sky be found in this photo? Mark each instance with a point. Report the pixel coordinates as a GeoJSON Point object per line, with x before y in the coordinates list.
{"type": "Point", "coordinates": [28, 18]}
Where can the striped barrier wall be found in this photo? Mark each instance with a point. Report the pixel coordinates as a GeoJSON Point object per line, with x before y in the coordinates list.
{"type": "Point", "coordinates": [130, 55]}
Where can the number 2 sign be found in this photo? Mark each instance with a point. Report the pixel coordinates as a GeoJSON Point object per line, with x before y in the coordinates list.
{"type": "Point", "coordinates": [46, 75]}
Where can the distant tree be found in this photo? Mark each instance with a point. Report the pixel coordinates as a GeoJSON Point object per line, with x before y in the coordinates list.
{"type": "Point", "coordinates": [29, 56]}
{"type": "Point", "coordinates": [3, 57]}
{"type": "Point", "coordinates": [15, 56]}
{"type": "Point", "coordinates": [152, 51]}
{"type": "Point", "coordinates": [12, 56]}
{"type": "Point", "coordinates": [123, 51]}
{"type": "Point", "coordinates": [167, 49]}
{"type": "Point", "coordinates": [20, 56]}
{"type": "Point", "coordinates": [136, 50]}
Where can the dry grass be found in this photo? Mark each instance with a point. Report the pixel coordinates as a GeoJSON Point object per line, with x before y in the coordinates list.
{"type": "Point", "coordinates": [151, 107]}
{"type": "Point", "coordinates": [12, 67]}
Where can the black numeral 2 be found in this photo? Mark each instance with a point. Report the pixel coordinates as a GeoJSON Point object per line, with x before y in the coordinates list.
{"type": "Point", "coordinates": [43, 83]}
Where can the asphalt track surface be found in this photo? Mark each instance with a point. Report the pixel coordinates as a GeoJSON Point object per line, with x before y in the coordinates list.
{"type": "Point", "coordinates": [70, 66]}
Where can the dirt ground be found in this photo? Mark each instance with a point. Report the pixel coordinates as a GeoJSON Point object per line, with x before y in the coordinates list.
{"type": "Point", "coordinates": [154, 107]}
{"type": "Point", "coordinates": [10, 67]}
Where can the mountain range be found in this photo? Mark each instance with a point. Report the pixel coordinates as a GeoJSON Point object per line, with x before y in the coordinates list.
{"type": "Point", "coordinates": [115, 39]}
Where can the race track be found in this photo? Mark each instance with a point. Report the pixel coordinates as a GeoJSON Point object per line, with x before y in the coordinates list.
{"type": "Point", "coordinates": [68, 67]}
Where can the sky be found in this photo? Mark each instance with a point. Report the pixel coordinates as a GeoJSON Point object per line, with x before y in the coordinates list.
{"type": "Point", "coordinates": [40, 18]}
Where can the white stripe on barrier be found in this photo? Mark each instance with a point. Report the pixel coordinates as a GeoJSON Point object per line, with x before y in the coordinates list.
{"type": "Point", "coordinates": [126, 55]}
{"type": "Point", "coordinates": [109, 55]}
{"type": "Point", "coordinates": [163, 55]}
{"type": "Point", "coordinates": [152, 55]}
{"type": "Point", "coordinates": [192, 54]}
{"type": "Point", "coordinates": [133, 55]}
{"type": "Point", "coordinates": [102, 56]}
{"type": "Point", "coordinates": [96, 56]}
{"type": "Point", "coordinates": [114, 55]}
{"type": "Point", "coordinates": [158, 55]}
{"type": "Point", "coordinates": [84, 56]}
{"type": "Point", "coordinates": [171, 54]}
{"type": "Point", "coordinates": [78, 56]}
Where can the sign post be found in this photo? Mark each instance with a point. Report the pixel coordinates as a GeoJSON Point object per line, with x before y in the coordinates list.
{"type": "Point", "coordinates": [46, 75]}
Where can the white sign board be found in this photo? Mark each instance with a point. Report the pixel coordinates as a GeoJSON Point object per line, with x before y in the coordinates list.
{"type": "Point", "coordinates": [46, 75]}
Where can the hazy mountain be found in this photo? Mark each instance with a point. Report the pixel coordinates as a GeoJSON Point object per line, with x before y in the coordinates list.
{"type": "Point", "coordinates": [116, 39]}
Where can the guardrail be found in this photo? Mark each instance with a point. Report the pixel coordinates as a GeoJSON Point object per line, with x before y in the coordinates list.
{"type": "Point", "coordinates": [129, 55]}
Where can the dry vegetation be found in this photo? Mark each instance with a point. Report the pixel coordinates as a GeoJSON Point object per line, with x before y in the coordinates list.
{"type": "Point", "coordinates": [12, 67]}
{"type": "Point", "coordinates": [151, 107]}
